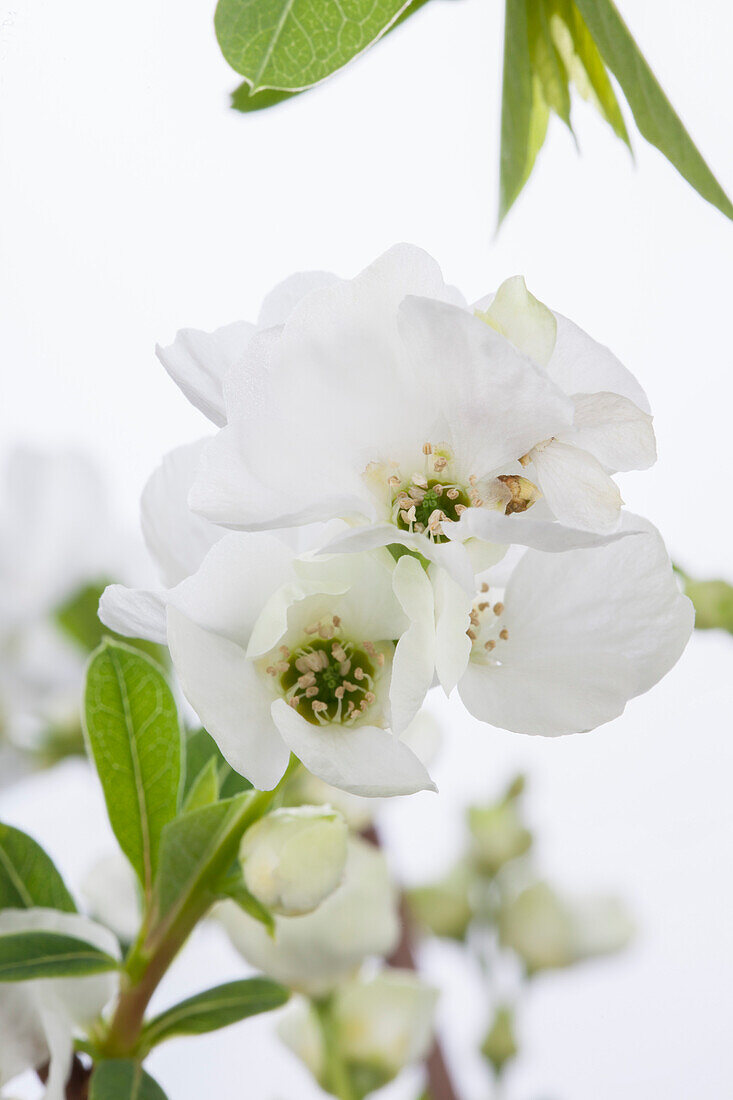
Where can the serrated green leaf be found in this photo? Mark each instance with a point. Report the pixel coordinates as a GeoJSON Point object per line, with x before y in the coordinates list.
{"type": "Point", "coordinates": [25, 956]}
{"type": "Point", "coordinates": [546, 62]}
{"type": "Point", "coordinates": [289, 45]}
{"type": "Point", "coordinates": [120, 1079]}
{"type": "Point", "coordinates": [205, 788]}
{"type": "Point", "coordinates": [524, 113]}
{"type": "Point", "coordinates": [216, 1008]}
{"type": "Point", "coordinates": [584, 63]}
{"type": "Point", "coordinates": [28, 876]}
{"type": "Point", "coordinates": [134, 735]}
{"type": "Point", "coordinates": [652, 111]}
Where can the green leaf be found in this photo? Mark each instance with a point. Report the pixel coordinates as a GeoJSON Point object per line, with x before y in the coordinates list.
{"type": "Point", "coordinates": [524, 113]}
{"type": "Point", "coordinates": [200, 748]}
{"type": "Point", "coordinates": [196, 850]}
{"type": "Point", "coordinates": [78, 618]}
{"type": "Point", "coordinates": [28, 877]}
{"type": "Point", "coordinates": [122, 1080]}
{"type": "Point", "coordinates": [292, 44]}
{"type": "Point", "coordinates": [652, 111]}
{"type": "Point", "coordinates": [205, 789]}
{"type": "Point", "coordinates": [233, 887]}
{"type": "Point", "coordinates": [546, 62]}
{"type": "Point", "coordinates": [28, 955]}
{"type": "Point", "coordinates": [713, 603]}
{"type": "Point", "coordinates": [247, 101]}
{"type": "Point", "coordinates": [216, 1008]}
{"type": "Point", "coordinates": [133, 731]}
{"type": "Point", "coordinates": [584, 63]}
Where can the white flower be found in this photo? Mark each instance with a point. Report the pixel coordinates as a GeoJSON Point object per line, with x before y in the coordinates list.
{"type": "Point", "coordinates": [574, 636]}
{"type": "Point", "coordinates": [293, 859]}
{"type": "Point", "coordinates": [56, 538]}
{"type": "Point", "coordinates": [112, 895]}
{"type": "Point", "coordinates": [279, 654]}
{"type": "Point", "coordinates": [381, 1024]}
{"type": "Point", "coordinates": [39, 1018]}
{"type": "Point", "coordinates": [548, 931]}
{"type": "Point", "coordinates": [314, 953]}
{"type": "Point", "coordinates": [386, 401]}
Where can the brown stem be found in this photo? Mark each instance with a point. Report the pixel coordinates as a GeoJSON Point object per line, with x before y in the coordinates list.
{"type": "Point", "coordinates": [77, 1086]}
{"type": "Point", "coordinates": [440, 1084]}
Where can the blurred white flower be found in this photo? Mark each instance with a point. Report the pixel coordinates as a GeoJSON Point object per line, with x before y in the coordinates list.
{"type": "Point", "coordinates": [380, 1025]}
{"type": "Point", "coordinates": [57, 538]}
{"type": "Point", "coordinates": [323, 657]}
{"type": "Point", "coordinates": [315, 953]}
{"type": "Point", "coordinates": [573, 636]}
{"type": "Point", "coordinates": [548, 931]}
{"type": "Point", "coordinates": [112, 895]}
{"type": "Point", "coordinates": [385, 400]}
{"type": "Point", "coordinates": [38, 1019]}
{"type": "Point", "coordinates": [293, 859]}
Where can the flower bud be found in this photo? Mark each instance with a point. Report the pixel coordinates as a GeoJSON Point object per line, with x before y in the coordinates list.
{"type": "Point", "coordinates": [294, 858]}
{"type": "Point", "coordinates": [500, 1044]}
{"type": "Point", "coordinates": [498, 832]}
{"type": "Point", "coordinates": [444, 907]}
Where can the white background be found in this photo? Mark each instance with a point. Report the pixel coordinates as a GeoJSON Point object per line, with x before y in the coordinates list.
{"type": "Point", "coordinates": [134, 202]}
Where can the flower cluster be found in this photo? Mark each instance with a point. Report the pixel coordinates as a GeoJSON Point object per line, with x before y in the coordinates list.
{"type": "Point", "coordinates": [384, 453]}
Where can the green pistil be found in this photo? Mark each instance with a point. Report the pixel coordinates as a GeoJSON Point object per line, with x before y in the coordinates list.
{"type": "Point", "coordinates": [436, 497]}
{"type": "Point", "coordinates": [341, 686]}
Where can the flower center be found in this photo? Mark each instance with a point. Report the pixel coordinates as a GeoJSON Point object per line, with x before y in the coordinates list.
{"type": "Point", "coordinates": [486, 631]}
{"type": "Point", "coordinates": [426, 500]}
{"type": "Point", "coordinates": [328, 679]}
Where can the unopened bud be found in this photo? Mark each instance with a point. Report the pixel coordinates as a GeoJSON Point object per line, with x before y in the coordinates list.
{"type": "Point", "coordinates": [500, 1044]}
{"type": "Point", "coordinates": [444, 907]}
{"type": "Point", "coordinates": [294, 858]}
{"type": "Point", "coordinates": [499, 835]}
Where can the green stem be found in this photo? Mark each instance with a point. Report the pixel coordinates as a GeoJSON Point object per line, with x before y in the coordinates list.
{"type": "Point", "coordinates": [337, 1079]}
{"type": "Point", "coordinates": [159, 942]}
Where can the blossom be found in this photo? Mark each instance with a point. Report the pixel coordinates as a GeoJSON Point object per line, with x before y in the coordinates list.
{"type": "Point", "coordinates": [387, 401]}
{"type": "Point", "coordinates": [112, 894]}
{"type": "Point", "coordinates": [380, 1025]}
{"type": "Point", "coordinates": [38, 1018]}
{"type": "Point", "coordinates": [316, 952]}
{"type": "Point", "coordinates": [573, 636]}
{"type": "Point", "coordinates": [279, 653]}
{"type": "Point", "coordinates": [549, 931]}
{"type": "Point", "coordinates": [57, 539]}
{"type": "Point", "coordinates": [293, 859]}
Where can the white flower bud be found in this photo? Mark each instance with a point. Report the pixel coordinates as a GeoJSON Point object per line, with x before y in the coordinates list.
{"type": "Point", "coordinates": [295, 858]}
{"type": "Point", "coordinates": [498, 835]}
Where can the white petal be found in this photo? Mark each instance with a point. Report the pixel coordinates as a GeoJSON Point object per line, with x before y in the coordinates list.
{"type": "Point", "coordinates": [452, 620]}
{"type": "Point", "coordinates": [414, 660]}
{"type": "Point", "coordinates": [577, 488]}
{"type": "Point", "coordinates": [230, 698]}
{"type": "Point", "coordinates": [60, 1042]}
{"type": "Point", "coordinates": [198, 362]}
{"type": "Point", "coordinates": [363, 760]}
{"type": "Point", "coordinates": [614, 430]}
{"type": "Point", "coordinates": [496, 402]}
{"type": "Point", "coordinates": [236, 578]}
{"type": "Point", "coordinates": [587, 631]}
{"type": "Point", "coordinates": [523, 320]}
{"type": "Point", "coordinates": [177, 538]}
{"type": "Point", "coordinates": [134, 612]}
{"type": "Point", "coordinates": [282, 300]}
{"type": "Point", "coordinates": [581, 365]}
{"type": "Point", "coordinates": [539, 534]}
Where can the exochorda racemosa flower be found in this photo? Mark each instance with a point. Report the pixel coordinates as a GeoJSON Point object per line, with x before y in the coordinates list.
{"type": "Point", "coordinates": [387, 401]}
{"type": "Point", "coordinates": [326, 657]}
{"type": "Point", "coordinates": [38, 1019]}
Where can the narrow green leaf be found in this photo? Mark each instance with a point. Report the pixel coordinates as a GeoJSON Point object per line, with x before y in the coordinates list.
{"type": "Point", "coordinates": [289, 45]}
{"type": "Point", "coordinates": [200, 748]}
{"type": "Point", "coordinates": [28, 876]}
{"type": "Point", "coordinates": [197, 849]}
{"type": "Point", "coordinates": [233, 887]}
{"type": "Point", "coordinates": [584, 63]}
{"type": "Point", "coordinates": [216, 1008]}
{"type": "Point", "coordinates": [28, 955]}
{"type": "Point", "coordinates": [652, 111]}
{"type": "Point", "coordinates": [205, 789]}
{"type": "Point", "coordinates": [119, 1079]}
{"type": "Point", "coordinates": [524, 113]}
{"type": "Point", "coordinates": [546, 62]}
{"type": "Point", "coordinates": [132, 728]}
